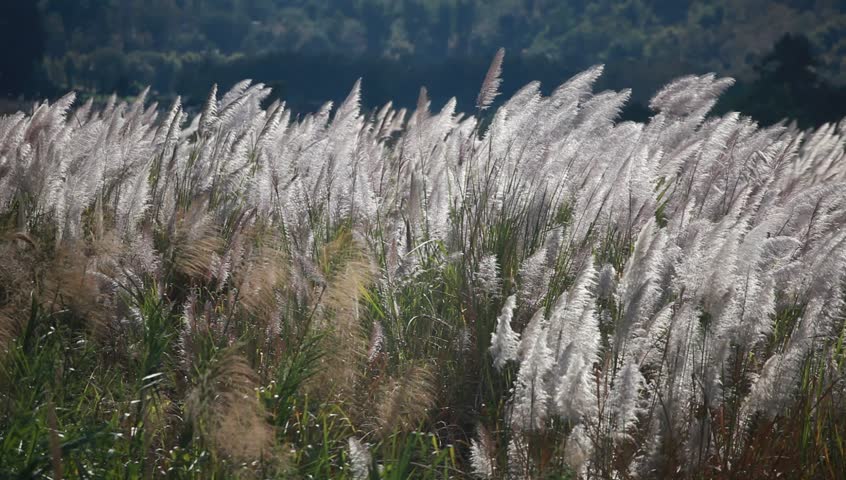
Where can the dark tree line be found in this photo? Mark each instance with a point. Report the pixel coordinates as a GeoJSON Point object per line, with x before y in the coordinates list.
{"type": "Point", "coordinates": [23, 38]}
{"type": "Point", "coordinates": [788, 85]}
{"type": "Point", "coordinates": [311, 50]}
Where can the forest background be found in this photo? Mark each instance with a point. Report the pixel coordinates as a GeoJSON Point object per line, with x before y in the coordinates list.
{"type": "Point", "coordinates": [789, 56]}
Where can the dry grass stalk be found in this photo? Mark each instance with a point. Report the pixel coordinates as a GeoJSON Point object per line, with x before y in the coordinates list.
{"type": "Point", "coordinates": [347, 356]}
{"type": "Point", "coordinates": [74, 287]}
{"type": "Point", "coordinates": [405, 401]}
{"type": "Point", "coordinates": [195, 245]}
{"type": "Point", "coordinates": [226, 413]}
{"type": "Point", "coordinates": [259, 282]}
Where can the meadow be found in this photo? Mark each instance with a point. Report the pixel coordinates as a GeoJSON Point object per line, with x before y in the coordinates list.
{"type": "Point", "coordinates": [530, 291]}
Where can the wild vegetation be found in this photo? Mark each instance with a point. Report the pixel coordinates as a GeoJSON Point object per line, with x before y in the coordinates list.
{"type": "Point", "coordinates": [537, 291]}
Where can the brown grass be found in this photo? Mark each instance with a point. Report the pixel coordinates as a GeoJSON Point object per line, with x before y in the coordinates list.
{"type": "Point", "coordinates": [226, 413]}
{"type": "Point", "coordinates": [195, 244]}
{"type": "Point", "coordinates": [348, 275]}
{"type": "Point", "coordinates": [403, 402]}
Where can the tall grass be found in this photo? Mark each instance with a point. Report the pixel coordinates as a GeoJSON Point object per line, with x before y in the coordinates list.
{"type": "Point", "coordinates": [535, 292]}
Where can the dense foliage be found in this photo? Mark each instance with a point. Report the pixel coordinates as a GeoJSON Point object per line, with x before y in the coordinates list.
{"type": "Point", "coordinates": [311, 50]}
{"type": "Point", "coordinates": [544, 293]}
{"type": "Point", "coordinates": [675, 34]}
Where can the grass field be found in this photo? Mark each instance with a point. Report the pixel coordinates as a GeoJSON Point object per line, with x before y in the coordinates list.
{"type": "Point", "coordinates": [529, 291]}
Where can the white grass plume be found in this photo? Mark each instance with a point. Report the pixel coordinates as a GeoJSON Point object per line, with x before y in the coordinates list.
{"type": "Point", "coordinates": [505, 341]}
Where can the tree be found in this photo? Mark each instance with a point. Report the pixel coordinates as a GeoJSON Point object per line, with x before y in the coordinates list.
{"type": "Point", "coordinates": [789, 86]}
{"type": "Point", "coordinates": [791, 62]}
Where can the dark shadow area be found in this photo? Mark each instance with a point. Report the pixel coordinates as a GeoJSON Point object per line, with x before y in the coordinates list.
{"type": "Point", "coordinates": [22, 37]}
{"type": "Point", "coordinates": [788, 86]}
